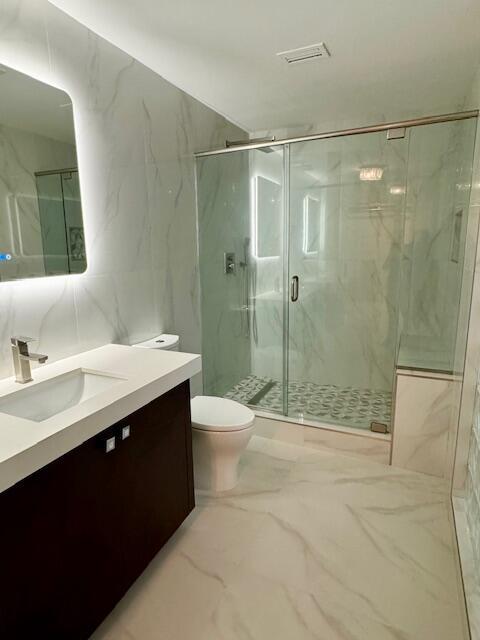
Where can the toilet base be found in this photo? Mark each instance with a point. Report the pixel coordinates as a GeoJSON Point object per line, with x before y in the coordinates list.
{"type": "Point", "coordinates": [216, 455]}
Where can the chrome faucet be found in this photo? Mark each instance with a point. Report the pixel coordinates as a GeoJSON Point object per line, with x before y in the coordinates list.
{"type": "Point", "coordinates": [22, 358]}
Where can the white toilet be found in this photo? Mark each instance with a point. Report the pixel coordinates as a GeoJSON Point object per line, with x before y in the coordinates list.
{"type": "Point", "coordinates": [164, 342]}
{"type": "Point", "coordinates": [221, 430]}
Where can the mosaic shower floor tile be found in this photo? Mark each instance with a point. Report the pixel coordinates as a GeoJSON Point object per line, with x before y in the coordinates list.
{"type": "Point", "coordinates": [328, 403]}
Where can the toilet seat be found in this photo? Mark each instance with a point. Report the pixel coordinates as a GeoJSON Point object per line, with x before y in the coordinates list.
{"type": "Point", "coordinates": [210, 413]}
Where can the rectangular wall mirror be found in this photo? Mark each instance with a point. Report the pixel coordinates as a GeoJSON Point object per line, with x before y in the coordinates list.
{"type": "Point", "coordinates": [41, 224]}
{"type": "Point", "coordinates": [313, 226]}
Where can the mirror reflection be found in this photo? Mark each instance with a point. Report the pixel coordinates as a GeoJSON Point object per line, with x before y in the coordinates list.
{"type": "Point", "coordinates": [313, 226]}
{"type": "Point", "coordinates": [41, 224]}
{"type": "Point", "coordinates": [267, 215]}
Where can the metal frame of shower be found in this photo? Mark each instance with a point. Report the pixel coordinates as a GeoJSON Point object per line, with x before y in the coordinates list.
{"type": "Point", "coordinates": [233, 147]}
{"type": "Point", "coordinates": [388, 126]}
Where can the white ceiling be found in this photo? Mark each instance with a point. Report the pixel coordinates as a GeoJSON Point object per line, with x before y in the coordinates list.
{"type": "Point", "coordinates": [390, 58]}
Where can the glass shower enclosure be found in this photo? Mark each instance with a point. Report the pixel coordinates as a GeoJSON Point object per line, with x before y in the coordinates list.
{"type": "Point", "coordinates": [326, 263]}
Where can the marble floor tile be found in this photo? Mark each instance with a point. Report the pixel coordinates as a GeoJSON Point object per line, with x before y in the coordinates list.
{"type": "Point", "coordinates": [310, 545]}
{"type": "Point", "coordinates": [174, 598]}
{"type": "Point", "coordinates": [256, 608]}
{"type": "Point", "coordinates": [375, 447]}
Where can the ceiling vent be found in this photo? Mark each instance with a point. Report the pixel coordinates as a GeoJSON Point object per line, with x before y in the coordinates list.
{"type": "Point", "coordinates": [304, 54]}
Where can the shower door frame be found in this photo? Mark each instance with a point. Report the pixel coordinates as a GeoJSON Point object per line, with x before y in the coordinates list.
{"type": "Point", "coordinates": [286, 277]}
{"type": "Point", "coordinates": [388, 126]}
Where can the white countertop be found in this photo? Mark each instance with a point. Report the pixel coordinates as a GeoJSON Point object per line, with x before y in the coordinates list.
{"type": "Point", "coordinates": [26, 446]}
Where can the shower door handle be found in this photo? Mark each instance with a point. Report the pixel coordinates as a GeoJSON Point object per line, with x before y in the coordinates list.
{"type": "Point", "coordinates": [294, 289]}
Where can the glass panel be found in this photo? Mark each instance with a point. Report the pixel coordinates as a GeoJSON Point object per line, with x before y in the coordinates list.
{"type": "Point", "coordinates": [439, 175]}
{"type": "Point", "coordinates": [346, 227]}
{"type": "Point", "coordinates": [241, 245]}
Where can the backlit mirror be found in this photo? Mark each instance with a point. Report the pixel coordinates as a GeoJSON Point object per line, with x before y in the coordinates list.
{"type": "Point", "coordinates": [41, 224]}
{"type": "Point", "coordinates": [313, 226]}
{"type": "Point", "coordinates": [267, 214]}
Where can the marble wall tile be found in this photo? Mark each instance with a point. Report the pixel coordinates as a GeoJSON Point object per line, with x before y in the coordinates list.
{"type": "Point", "coordinates": [466, 454]}
{"type": "Point", "coordinates": [120, 240]}
{"type": "Point", "coordinates": [375, 448]}
{"type": "Point", "coordinates": [23, 38]}
{"type": "Point", "coordinates": [372, 446]}
{"type": "Point", "coordinates": [136, 135]}
{"type": "Point", "coordinates": [470, 326]}
{"type": "Point", "coordinates": [97, 310]}
{"type": "Point", "coordinates": [45, 312]}
{"type": "Point", "coordinates": [423, 423]}
{"type": "Point", "coordinates": [279, 430]}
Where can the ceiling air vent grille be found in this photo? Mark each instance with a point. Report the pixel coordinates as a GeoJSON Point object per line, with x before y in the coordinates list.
{"type": "Point", "coordinates": [304, 54]}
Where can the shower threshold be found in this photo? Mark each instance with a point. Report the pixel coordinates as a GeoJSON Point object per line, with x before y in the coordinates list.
{"type": "Point", "coordinates": [334, 405]}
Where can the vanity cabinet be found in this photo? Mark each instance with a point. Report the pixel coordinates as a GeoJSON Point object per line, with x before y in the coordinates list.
{"type": "Point", "coordinates": [77, 533]}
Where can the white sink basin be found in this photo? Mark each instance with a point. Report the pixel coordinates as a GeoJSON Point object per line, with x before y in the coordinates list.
{"type": "Point", "coordinates": [45, 399]}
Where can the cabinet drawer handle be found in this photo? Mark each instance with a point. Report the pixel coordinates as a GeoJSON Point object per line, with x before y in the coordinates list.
{"type": "Point", "coordinates": [110, 444]}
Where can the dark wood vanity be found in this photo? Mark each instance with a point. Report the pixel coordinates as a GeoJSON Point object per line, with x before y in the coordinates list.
{"type": "Point", "coordinates": [77, 533]}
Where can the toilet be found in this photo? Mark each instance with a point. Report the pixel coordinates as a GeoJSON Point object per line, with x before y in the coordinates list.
{"type": "Point", "coordinates": [165, 342]}
{"type": "Point", "coordinates": [221, 430]}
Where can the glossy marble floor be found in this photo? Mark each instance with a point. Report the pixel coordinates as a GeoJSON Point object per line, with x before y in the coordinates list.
{"type": "Point", "coordinates": [328, 403]}
{"type": "Point", "coordinates": [310, 546]}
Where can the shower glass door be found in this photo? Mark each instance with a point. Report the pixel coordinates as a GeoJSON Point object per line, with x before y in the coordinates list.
{"type": "Point", "coordinates": [241, 222]}
{"type": "Point", "coordinates": [346, 225]}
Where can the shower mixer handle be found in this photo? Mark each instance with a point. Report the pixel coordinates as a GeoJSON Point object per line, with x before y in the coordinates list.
{"type": "Point", "coordinates": [294, 289]}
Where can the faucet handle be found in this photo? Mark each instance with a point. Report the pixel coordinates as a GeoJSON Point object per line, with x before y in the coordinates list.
{"type": "Point", "coordinates": [17, 340]}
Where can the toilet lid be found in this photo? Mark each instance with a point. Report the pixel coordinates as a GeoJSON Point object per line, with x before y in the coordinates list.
{"type": "Point", "coordinates": [210, 413]}
{"type": "Point", "coordinates": [165, 341]}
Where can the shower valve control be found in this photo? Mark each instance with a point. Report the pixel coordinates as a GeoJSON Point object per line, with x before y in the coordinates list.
{"type": "Point", "coordinates": [229, 264]}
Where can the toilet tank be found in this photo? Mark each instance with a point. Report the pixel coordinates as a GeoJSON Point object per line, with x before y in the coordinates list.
{"type": "Point", "coordinates": [165, 341]}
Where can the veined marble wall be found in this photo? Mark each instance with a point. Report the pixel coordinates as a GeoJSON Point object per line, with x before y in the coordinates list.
{"type": "Point", "coordinates": [467, 519]}
{"type": "Point", "coordinates": [472, 489]}
{"type": "Point", "coordinates": [22, 154]}
{"type": "Point", "coordinates": [469, 329]}
{"type": "Point", "coordinates": [424, 426]}
{"type": "Point", "coordinates": [136, 134]}
{"type": "Point", "coordinates": [466, 479]}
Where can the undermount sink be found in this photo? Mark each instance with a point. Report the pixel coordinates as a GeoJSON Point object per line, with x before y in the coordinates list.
{"type": "Point", "coordinates": [46, 399]}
